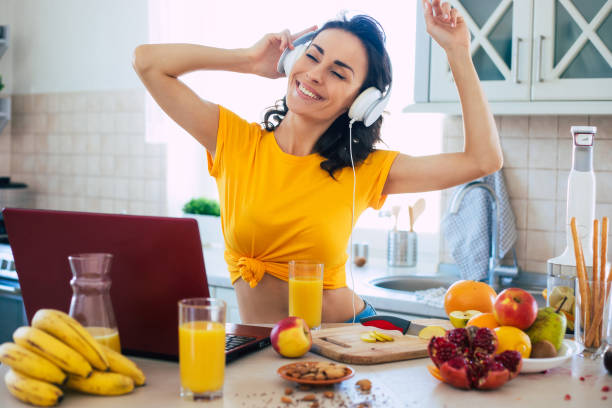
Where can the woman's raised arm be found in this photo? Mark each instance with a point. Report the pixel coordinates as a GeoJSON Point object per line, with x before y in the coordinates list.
{"type": "Point", "coordinates": [160, 65]}
{"type": "Point", "coordinates": [482, 152]}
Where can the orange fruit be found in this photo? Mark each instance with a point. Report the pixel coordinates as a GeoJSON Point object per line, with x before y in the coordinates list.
{"type": "Point", "coordinates": [435, 372]}
{"type": "Point", "coordinates": [469, 295]}
{"type": "Point", "coordinates": [512, 338]}
{"type": "Point", "coordinates": [483, 320]}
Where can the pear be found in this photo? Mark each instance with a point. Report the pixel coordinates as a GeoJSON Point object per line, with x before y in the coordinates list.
{"type": "Point", "coordinates": [549, 325]}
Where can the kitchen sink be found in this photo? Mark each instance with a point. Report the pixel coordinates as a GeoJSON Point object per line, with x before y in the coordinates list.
{"type": "Point", "coordinates": [408, 283]}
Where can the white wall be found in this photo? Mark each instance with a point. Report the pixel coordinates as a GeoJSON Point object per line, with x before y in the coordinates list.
{"type": "Point", "coordinates": [74, 45]}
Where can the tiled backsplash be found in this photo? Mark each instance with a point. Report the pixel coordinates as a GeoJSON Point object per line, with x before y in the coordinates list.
{"type": "Point", "coordinates": [537, 159]}
{"type": "Point", "coordinates": [86, 151]}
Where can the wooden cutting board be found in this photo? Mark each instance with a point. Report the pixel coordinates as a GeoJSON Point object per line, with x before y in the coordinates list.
{"type": "Point", "coordinates": [343, 344]}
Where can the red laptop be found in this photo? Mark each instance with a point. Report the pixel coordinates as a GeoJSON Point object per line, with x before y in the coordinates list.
{"type": "Point", "coordinates": [156, 262]}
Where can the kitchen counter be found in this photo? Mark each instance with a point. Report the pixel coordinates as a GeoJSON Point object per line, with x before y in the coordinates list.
{"type": "Point", "coordinates": [252, 382]}
{"type": "Point", "coordinates": [383, 299]}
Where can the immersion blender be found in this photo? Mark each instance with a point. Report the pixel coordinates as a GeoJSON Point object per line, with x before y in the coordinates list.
{"type": "Point", "coordinates": [581, 205]}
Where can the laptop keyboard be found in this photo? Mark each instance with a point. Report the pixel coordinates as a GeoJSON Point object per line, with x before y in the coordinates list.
{"type": "Point", "coordinates": [232, 341]}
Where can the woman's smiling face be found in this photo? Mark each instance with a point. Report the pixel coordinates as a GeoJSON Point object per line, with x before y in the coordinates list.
{"type": "Point", "coordinates": [325, 81]}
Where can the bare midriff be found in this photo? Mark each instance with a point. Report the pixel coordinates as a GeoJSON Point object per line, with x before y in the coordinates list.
{"type": "Point", "coordinates": [268, 302]}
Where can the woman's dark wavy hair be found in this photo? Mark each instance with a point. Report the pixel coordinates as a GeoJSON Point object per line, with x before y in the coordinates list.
{"type": "Point", "coordinates": [333, 145]}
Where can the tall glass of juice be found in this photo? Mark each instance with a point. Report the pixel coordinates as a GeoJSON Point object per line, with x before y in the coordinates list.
{"type": "Point", "coordinates": [306, 291]}
{"type": "Point", "coordinates": [201, 348]}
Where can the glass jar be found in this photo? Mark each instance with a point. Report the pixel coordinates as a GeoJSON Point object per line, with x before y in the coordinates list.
{"type": "Point", "coordinates": [91, 303]}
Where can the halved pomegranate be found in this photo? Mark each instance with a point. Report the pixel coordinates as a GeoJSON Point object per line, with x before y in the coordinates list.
{"type": "Point", "coordinates": [466, 359]}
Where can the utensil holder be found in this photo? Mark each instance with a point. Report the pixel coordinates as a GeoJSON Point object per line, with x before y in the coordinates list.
{"type": "Point", "coordinates": [402, 248]}
{"type": "Point", "coordinates": [360, 249]}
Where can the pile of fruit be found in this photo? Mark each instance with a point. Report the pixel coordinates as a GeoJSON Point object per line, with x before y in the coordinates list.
{"type": "Point", "coordinates": [513, 315]}
{"type": "Point", "coordinates": [58, 352]}
{"type": "Point", "coordinates": [467, 358]}
{"type": "Point", "coordinates": [515, 329]}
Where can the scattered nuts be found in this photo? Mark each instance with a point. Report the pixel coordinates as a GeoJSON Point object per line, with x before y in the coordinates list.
{"type": "Point", "coordinates": [309, 397]}
{"type": "Point", "coordinates": [288, 391]}
{"type": "Point", "coordinates": [304, 387]}
{"type": "Point", "coordinates": [364, 384]}
{"type": "Point", "coordinates": [286, 400]}
{"type": "Point", "coordinates": [328, 394]}
{"type": "Point", "coordinates": [314, 404]}
{"type": "Point", "coordinates": [319, 371]}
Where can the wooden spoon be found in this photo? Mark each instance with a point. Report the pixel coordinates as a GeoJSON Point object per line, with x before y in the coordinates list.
{"type": "Point", "coordinates": [415, 212]}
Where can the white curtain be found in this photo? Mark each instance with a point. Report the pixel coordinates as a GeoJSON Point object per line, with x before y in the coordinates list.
{"type": "Point", "coordinates": [235, 24]}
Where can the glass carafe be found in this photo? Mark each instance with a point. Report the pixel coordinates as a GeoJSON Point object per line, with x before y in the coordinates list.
{"type": "Point", "coordinates": [91, 303]}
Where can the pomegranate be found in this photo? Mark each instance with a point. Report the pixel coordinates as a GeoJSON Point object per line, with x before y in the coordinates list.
{"type": "Point", "coordinates": [466, 359]}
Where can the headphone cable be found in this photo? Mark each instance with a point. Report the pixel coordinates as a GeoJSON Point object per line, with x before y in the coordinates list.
{"type": "Point", "coordinates": [352, 216]}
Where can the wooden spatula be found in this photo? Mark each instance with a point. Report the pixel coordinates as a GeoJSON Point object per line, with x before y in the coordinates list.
{"type": "Point", "coordinates": [415, 212]}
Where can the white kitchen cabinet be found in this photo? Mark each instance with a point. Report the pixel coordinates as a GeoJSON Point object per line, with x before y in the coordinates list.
{"type": "Point", "coordinates": [532, 56]}
{"type": "Point", "coordinates": [572, 43]}
{"type": "Point", "coordinates": [500, 48]}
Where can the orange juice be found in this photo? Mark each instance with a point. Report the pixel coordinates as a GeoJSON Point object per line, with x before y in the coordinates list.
{"type": "Point", "coordinates": [202, 355]}
{"type": "Point", "coordinates": [306, 300]}
{"type": "Point", "coordinates": [107, 336]}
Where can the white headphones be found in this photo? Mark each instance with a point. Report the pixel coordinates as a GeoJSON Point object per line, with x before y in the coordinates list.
{"type": "Point", "coordinates": [366, 108]}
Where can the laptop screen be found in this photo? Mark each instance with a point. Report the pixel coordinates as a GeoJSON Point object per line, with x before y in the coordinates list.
{"type": "Point", "coordinates": [156, 262]}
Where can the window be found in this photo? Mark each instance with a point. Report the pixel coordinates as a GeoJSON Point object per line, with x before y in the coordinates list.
{"type": "Point", "coordinates": [220, 24]}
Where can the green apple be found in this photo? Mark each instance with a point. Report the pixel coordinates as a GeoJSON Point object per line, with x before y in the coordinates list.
{"type": "Point", "coordinates": [459, 318]}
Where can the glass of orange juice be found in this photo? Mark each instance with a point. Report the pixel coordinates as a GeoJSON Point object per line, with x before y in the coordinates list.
{"type": "Point", "coordinates": [201, 348]}
{"type": "Point", "coordinates": [306, 291]}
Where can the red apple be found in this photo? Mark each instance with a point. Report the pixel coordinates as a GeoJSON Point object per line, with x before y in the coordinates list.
{"type": "Point", "coordinates": [515, 307]}
{"type": "Point", "coordinates": [290, 337]}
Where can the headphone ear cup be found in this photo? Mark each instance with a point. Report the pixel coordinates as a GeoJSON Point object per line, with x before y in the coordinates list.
{"type": "Point", "coordinates": [288, 59]}
{"type": "Point", "coordinates": [363, 104]}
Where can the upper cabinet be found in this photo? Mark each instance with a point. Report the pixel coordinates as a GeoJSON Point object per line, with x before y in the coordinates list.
{"type": "Point", "coordinates": [572, 43]}
{"type": "Point", "coordinates": [527, 53]}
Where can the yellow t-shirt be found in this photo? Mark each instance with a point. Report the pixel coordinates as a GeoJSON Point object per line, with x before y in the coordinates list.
{"type": "Point", "coordinates": [277, 207]}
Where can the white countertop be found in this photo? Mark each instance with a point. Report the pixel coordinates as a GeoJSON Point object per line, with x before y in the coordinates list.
{"type": "Point", "coordinates": [252, 382]}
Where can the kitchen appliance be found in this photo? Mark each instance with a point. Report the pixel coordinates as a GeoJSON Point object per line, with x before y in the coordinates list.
{"type": "Point", "coordinates": [12, 195]}
{"type": "Point", "coordinates": [11, 303]}
{"type": "Point", "coordinates": [344, 344]}
{"type": "Point", "coordinates": [13, 313]}
{"type": "Point", "coordinates": [561, 270]}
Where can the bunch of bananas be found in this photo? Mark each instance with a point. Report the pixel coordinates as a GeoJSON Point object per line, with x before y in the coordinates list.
{"type": "Point", "coordinates": [57, 351]}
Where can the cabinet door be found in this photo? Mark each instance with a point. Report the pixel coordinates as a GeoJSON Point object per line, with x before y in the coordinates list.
{"type": "Point", "coordinates": [572, 43]}
{"type": "Point", "coordinates": [500, 48]}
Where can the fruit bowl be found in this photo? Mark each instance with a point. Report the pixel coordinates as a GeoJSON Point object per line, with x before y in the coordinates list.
{"type": "Point", "coordinates": [537, 365]}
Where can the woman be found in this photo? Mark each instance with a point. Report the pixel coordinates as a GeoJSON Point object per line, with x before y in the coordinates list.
{"type": "Point", "coordinates": [286, 191]}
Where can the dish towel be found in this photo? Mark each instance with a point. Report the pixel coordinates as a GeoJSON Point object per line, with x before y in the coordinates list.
{"type": "Point", "coordinates": [468, 232]}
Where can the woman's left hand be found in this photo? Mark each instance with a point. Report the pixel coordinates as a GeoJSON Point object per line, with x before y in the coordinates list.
{"type": "Point", "coordinates": [446, 26]}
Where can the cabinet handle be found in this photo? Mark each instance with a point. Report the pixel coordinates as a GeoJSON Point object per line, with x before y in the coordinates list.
{"type": "Point", "coordinates": [538, 72]}
{"type": "Point", "coordinates": [515, 59]}
{"type": "Point", "coordinates": [10, 290]}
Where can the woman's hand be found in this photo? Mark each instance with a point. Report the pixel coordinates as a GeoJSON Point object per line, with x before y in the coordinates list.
{"type": "Point", "coordinates": [264, 55]}
{"type": "Point", "coordinates": [446, 26]}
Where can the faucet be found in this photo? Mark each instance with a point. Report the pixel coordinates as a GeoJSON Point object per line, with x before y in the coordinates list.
{"type": "Point", "coordinates": [497, 273]}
